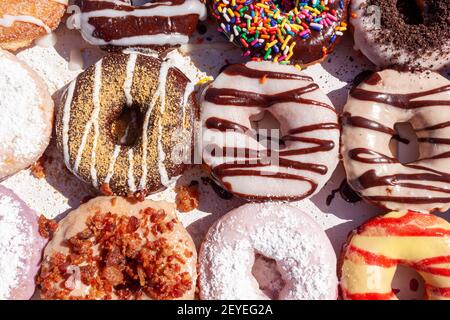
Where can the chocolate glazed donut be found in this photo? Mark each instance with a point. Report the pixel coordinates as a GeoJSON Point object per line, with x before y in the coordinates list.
{"type": "Point", "coordinates": [157, 24]}
{"type": "Point", "coordinates": [120, 121]}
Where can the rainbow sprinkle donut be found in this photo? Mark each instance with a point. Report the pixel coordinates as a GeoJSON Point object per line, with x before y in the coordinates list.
{"type": "Point", "coordinates": [285, 31]}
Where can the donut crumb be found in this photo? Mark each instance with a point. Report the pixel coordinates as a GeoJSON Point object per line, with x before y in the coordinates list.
{"type": "Point", "coordinates": [187, 198]}
{"type": "Point", "coordinates": [38, 168]}
{"type": "Point", "coordinates": [47, 227]}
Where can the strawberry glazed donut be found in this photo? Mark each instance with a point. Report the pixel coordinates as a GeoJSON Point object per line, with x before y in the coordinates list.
{"type": "Point", "coordinates": [20, 247]}
{"type": "Point", "coordinates": [26, 115]}
{"type": "Point", "coordinates": [157, 24]}
{"type": "Point", "coordinates": [304, 257]}
{"type": "Point", "coordinates": [407, 33]}
{"type": "Point", "coordinates": [23, 21]}
{"type": "Point", "coordinates": [417, 240]}
{"type": "Point", "coordinates": [368, 124]}
{"type": "Point", "coordinates": [295, 160]}
{"type": "Point", "coordinates": [112, 248]}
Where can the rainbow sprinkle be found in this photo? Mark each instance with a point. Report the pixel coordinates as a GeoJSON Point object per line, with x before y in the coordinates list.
{"type": "Point", "coordinates": [270, 29]}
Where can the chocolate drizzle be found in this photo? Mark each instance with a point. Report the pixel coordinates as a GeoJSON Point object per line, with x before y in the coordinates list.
{"type": "Point", "coordinates": [252, 162]}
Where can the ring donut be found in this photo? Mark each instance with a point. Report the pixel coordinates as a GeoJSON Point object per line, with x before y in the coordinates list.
{"type": "Point", "coordinates": [373, 108]}
{"type": "Point", "coordinates": [417, 240]}
{"type": "Point", "coordinates": [289, 32]}
{"type": "Point", "coordinates": [127, 155]}
{"type": "Point", "coordinates": [299, 158]}
{"type": "Point", "coordinates": [160, 23]}
{"type": "Point", "coordinates": [20, 247]}
{"type": "Point", "coordinates": [111, 248]}
{"type": "Point", "coordinates": [27, 115]}
{"type": "Point", "coordinates": [407, 33]}
{"type": "Point", "coordinates": [303, 254]}
{"type": "Point", "coordinates": [23, 21]}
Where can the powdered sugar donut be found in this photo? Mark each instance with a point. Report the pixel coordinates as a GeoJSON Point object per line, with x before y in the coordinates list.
{"type": "Point", "coordinates": [296, 159]}
{"type": "Point", "coordinates": [27, 115]}
{"type": "Point", "coordinates": [304, 256]}
{"type": "Point", "coordinates": [20, 247]}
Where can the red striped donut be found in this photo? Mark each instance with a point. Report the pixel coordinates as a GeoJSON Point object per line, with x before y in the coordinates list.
{"type": "Point", "coordinates": [295, 160]}
{"type": "Point", "coordinates": [372, 253]}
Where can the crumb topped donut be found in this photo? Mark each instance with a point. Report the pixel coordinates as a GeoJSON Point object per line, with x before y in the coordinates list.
{"type": "Point", "coordinates": [23, 21]}
{"type": "Point", "coordinates": [372, 110]}
{"type": "Point", "coordinates": [121, 121]}
{"type": "Point", "coordinates": [159, 23]}
{"type": "Point", "coordinates": [414, 33]}
{"type": "Point", "coordinates": [26, 115]}
{"type": "Point", "coordinates": [297, 32]}
{"type": "Point", "coordinates": [111, 248]}
{"type": "Point", "coordinates": [303, 254]}
{"type": "Point", "coordinates": [291, 162]}
{"type": "Point", "coordinates": [20, 247]}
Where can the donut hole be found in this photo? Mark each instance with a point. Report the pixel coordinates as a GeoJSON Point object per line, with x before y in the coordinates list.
{"type": "Point", "coordinates": [411, 12]}
{"type": "Point", "coordinates": [407, 284]}
{"type": "Point", "coordinates": [404, 145]}
{"type": "Point", "coordinates": [267, 129]}
{"type": "Point", "coordinates": [266, 273]}
{"type": "Point", "coordinates": [126, 128]}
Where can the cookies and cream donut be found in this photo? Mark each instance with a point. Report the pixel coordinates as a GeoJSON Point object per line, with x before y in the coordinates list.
{"type": "Point", "coordinates": [298, 32]}
{"type": "Point", "coordinates": [150, 23]}
{"type": "Point", "coordinates": [111, 248]}
{"type": "Point", "coordinates": [303, 254]}
{"type": "Point", "coordinates": [373, 109]}
{"type": "Point", "coordinates": [23, 21]}
{"type": "Point", "coordinates": [20, 247]}
{"type": "Point", "coordinates": [413, 33]}
{"type": "Point", "coordinates": [292, 162]}
{"type": "Point", "coordinates": [121, 121]}
{"type": "Point", "coordinates": [372, 253]}
{"type": "Point", "coordinates": [26, 115]}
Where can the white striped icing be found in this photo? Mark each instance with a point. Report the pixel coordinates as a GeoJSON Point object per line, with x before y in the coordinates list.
{"type": "Point", "coordinates": [94, 116]}
{"type": "Point", "coordinates": [190, 86]}
{"type": "Point", "coordinates": [8, 20]}
{"type": "Point", "coordinates": [164, 9]}
{"type": "Point", "coordinates": [131, 64]}
{"type": "Point", "coordinates": [130, 174]}
{"type": "Point", "coordinates": [112, 163]}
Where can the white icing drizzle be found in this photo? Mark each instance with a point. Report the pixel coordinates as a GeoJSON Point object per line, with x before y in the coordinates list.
{"type": "Point", "coordinates": [163, 9]}
{"type": "Point", "coordinates": [112, 163]}
{"type": "Point", "coordinates": [129, 78]}
{"type": "Point", "coordinates": [66, 120]}
{"type": "Point", "coordinates": [131, 182]}
{"type": "Point", "coordinates": [160, 92]}
{"type": "Point", "coordinates": [8, 20]}
{"type": "Point", "coordinates": [94, 117]}
{"type": "Point", "coordinates": [95, 114]}
{"type": "Point", "coordinates": [190, 86]}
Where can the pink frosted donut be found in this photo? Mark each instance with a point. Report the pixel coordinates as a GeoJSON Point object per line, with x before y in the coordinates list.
{"type": "Point", "coordinates": [20, 247]}
{"type": "Point", "coordinates": [303, 254]}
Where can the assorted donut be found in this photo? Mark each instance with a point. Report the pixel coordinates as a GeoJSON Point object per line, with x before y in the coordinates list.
{"type": "Point", "coordinates": [263, 131]}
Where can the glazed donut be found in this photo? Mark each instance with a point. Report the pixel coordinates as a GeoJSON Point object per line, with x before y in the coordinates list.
{"type": "Point", "coordinates": [299, 158]}
{"type": "Point", "coordinates": [417, 240]}
{"type": "Point", "coordinates": [159, 23]}
{"type": "Point", "coordinates": [139, 156]}
{"type": "Point", "coordinates": [23, 21]}
{"type": "Point", "coordinates": [27, 115]}
{"type": "Point", "coordinates": [372, 110]}
{"type": "Point", "coordinates": [403, 33]}
{"type": "Point", "coordinates": [111, 248]}
{"type": "Point", "coordinates": [20, 247]}
{"type": "Point", "coordinates": [303, 254]}
{"type": "Point", "coordinates": [301, 33]}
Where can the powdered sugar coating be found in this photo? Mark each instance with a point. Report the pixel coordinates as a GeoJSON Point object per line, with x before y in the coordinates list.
{"type": "Point", "coordinates": [20, 247]}
{"type": "Point", "coordinates": [27, 112]}
{"type": "Point", "coordinates": [304, 255]}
